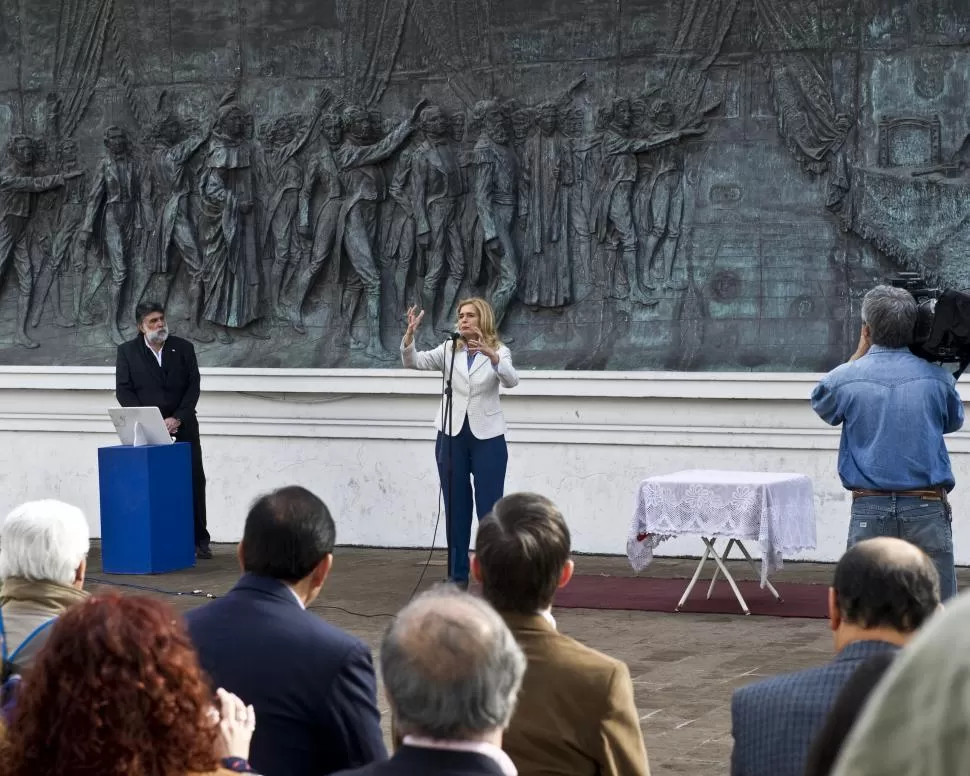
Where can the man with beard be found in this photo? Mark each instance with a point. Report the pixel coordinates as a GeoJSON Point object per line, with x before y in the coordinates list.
{"type": "Point", "coordinates": [156, 369]}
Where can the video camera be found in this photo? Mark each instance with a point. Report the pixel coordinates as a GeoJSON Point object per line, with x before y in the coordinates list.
{"type": "Point", "coordinates": [942, 334]}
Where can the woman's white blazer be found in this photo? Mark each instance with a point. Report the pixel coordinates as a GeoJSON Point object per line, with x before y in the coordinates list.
{"type": "Point", "coordinates": [475, 389]}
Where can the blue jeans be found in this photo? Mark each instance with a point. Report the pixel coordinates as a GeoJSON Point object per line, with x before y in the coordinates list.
{"type": "Point", "coordinates": [923, 522]}
{"type": "Point", "coordinates": [467, 456]}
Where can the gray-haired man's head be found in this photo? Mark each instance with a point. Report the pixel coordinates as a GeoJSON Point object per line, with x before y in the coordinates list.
{"type": "Point", "coordinates": [890, 313]}
{"type": "Point", "coordinates": [451, 667]}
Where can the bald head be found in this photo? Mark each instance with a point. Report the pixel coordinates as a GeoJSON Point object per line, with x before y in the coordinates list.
{"type": "Point", "coordinates": [886, 583]}
{"type": "Point", "coordinates": [892, 550]}
{"type": "Point", "coordinates": [451, 667]}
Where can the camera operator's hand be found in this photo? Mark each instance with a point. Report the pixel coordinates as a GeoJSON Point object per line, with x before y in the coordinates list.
{"type": "Point", "coordinates": [865, 342]}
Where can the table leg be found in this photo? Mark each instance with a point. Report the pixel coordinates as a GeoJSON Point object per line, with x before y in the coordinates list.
{"type": "Point", "coordinates": [755, 569]}
{"type": "Point", "coordinates": [697, 572]}
{"type": "Point", "coordinates": [728, 577]}
{"type": "Point", "coordinates": [727, 551]}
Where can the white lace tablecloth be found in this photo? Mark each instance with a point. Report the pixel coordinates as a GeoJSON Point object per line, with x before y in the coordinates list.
{"type": "Point", "coordinates": [777, 510]}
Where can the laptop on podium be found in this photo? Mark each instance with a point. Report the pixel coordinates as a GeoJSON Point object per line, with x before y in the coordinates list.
{"type": "Point", "coordinates": [139, 426]}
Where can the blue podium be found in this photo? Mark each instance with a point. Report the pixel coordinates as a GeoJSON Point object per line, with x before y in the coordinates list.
{"type": "Point", "coordinates": [146, 508]}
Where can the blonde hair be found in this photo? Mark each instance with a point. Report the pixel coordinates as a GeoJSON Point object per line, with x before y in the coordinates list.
{"type": "Point", "coordinates": [486, 320]}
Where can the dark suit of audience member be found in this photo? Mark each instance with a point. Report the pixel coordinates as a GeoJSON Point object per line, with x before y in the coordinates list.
{"type": "Point", "coordinates": [884, 589]}
{"type": "Point", "coordinates": [157, 369]}
{"type": "Point", "coordinates": [452, 671]}
{"type": "Point", "coordinates": [312, 685]}
{"type": "Point", "coordinates": [576, 714]}
{"type": "Point", "coordinates": [416, 761]}
{"type": "Point", "coordinates": [844, 713]}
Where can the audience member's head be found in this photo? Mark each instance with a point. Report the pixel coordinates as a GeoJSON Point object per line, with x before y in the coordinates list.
{"type": "Point", "coordinates": [289, 536]}
{"type": "Point", "coordinates": [116, 689]}
{"type": "Point", "coordinates": [45, 541]}
{"type": "Point", "coordinates": [844, 713]}
{"type": "Point", "coordinates": [917, 720]}
{"type": "Point", "coordinates": [522, 554]}
{"type": "Point", "coordinates": [451, 667]}
{"type": "Point", "coordinates": [884, 589]}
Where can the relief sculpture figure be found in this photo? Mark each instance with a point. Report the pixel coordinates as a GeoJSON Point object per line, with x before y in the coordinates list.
{"type": "Point", "coordinates": [496, 194]}
{"type": "Point", "coordinates": [18, 189]}
{"type": "Point", "coordinates": [321, 230]}
{"type": "Point", "coordinates": [548, 177]}
{"type": "Point", "coordinates": [359, 162]}
{"type": "Point", "coordinates": [643, 127]}
{"type": "Point", "coordinates": [67, 251]}
{"type": "Point", "coordinates": [615, 217]}
{"type": "Point", "coordinates": [174, 237]}
{"type": "Point", "coordinates": [587, 162]}
{"type": "Point", "coordinates": [439, 188]}
{"type": "Point", "coordinates": [457, 125]}
{"type": "Point", "coordinates": [113, 219]}
{"type": "Point", "coordinates": [666, 203]}
{"type": "Point", "coordinates": [286, 177]}
{"type": "Point", "coordinates": [399, 237]}
{"type": "Point", "coordinates": [229, 226]}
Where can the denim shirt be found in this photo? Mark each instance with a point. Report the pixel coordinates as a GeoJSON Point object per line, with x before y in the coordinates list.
{"type": "Point", "coordinates": [894, 408]}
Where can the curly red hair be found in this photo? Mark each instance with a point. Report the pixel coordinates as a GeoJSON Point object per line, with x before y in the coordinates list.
{"type": "Point", "coordinates": [117, 689]}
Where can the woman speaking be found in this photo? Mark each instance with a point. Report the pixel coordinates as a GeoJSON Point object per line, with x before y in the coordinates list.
{"type": "Point", "coordinates": [471, 443]}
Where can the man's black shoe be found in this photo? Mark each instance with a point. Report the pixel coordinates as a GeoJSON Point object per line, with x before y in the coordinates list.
{"type": "Point", "coordinates": [203, 551]}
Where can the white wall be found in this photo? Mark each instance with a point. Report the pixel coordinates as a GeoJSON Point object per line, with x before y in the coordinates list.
{"type": "Point", "coordinates": [363, 440]}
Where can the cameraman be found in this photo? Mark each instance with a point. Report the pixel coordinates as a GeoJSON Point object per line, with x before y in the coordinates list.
{"type": "Point", "coordinates": [894, 408]}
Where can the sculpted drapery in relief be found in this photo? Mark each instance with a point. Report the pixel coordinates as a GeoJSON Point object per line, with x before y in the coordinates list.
{"type": "Point", "coordinates": [229, 225]}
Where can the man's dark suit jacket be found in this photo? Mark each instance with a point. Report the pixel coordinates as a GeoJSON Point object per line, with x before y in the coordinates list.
{"type": "Point", "coordinates": [312, 685]}
{"type": "Point", "coordinates": [173, 387]}
{"type": "Point", "coordinates": [774, 722]}
{"type": "Point", "coordinates": [417, 761]}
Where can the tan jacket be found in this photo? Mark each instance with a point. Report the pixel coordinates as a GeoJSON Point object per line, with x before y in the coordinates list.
{"type": "Point", "coordinates": [26, 605]}
{"type": "Point", "coordinates": [576, 715]}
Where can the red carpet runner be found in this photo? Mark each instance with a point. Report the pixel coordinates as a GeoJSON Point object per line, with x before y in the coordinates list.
{"type": "Point", "coordinates": [661, 595]}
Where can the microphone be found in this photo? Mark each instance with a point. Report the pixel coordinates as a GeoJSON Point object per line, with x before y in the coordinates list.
{"type": "Point", "coordinates": [455, 336]}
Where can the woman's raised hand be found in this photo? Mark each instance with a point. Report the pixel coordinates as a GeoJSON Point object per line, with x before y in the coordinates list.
{"type": "Point", "coordinates": [475, 344]}
{"type": "Point", "coordinates": [415, 317]}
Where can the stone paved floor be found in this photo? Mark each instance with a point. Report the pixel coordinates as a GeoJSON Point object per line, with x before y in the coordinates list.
{"type": "Point", "coordinates": [684, 666]}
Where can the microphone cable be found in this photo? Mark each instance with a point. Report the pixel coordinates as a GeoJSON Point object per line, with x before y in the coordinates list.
{"type": "Point", "coordinates": [148, 589]}
{"type": "Point", "coordinates": [437, 520]}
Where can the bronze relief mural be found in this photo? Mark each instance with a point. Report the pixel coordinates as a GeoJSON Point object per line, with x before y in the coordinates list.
{"type": "Point", "coordinates": [645, 184]}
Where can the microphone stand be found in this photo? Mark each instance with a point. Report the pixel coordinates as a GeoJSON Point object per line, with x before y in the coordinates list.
{"type": "Point", "coordinates": [449, 464]}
